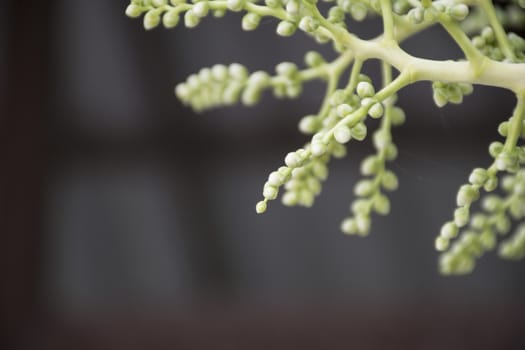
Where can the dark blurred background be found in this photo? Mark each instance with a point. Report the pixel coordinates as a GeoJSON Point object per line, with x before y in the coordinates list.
{"type": "Point", "coordinates": [128, 222]}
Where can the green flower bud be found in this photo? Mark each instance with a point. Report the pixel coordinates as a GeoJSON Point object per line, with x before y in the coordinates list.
{"type": "Point", "coordinates": [382, 205]}
{"type": "Point", "coordinates": [415, 15]}
{"type": "Point", "coordinates": [502, 224]}
{"type": "Point", "coordinates": [478, 222]}
{"type": "Point", "coordinates": [336, 14]}
{"type": "Point", "coordinates": [364, 188]}
{"type": "Point", "coordinates": [381, 139]}
{"type": "Point", "coordinates": [349, 226]}
{"type": "Point", "coordinates": [285, 28]}
{"type": "Point", "coordinates": [466, 195]}
{"type": "Point", "coordinates": [290, 199]}
{"type": "Point", "coordinates": [487, 240]}
{"type": "Point", "coordinates": [201, 9]}
{"type": "Point", "coordinates": [389, 181]}
{"type": "Point", "coordinates": [318, 148]}
{"type": "Point", "coordinates": [261, 207]}
{"type": "Point", "coordinates": [478, 176]}
{"type": "Point", "coordinates": [358, 11]}
{"type": "Point", "coordinates": [440, 99]}
{"type": "Point", "coordinates": [370, 165]}
{"type": "Point", "coordinates": [133, 11]}
{"type": "Point", "coordinates": [259, 79]}
{"type": "Point", "coordinates": [398, 116]}
{"type": "Point", "coordinates": [338, 150]}
{"type": "Point", "coordinates": [342, 134]}
{"type": "Point", "coordinates": [461, 216]}
{"type": "Point", "coordinates": [308, 124]}
{"type": "Point", "coordinates": [218, 13]}
{"type": "Point", "coordinates": [235, 5]}
{"type": "Point", "coordinates": [365, 89]}
{"type": "Point", "coordinates": [478, 42]}
{"type": "Point", "coordinates": [343, 110]}
{"type": "Point", "coordinates": [376, 111]}
{"type": "Point", "coordinates": [491, 184]}
{"type": "Point", "coordinates": [151, 19]}
{"type": "Point", "coordinates": [308, 24]}
{"type": "Point", "coordinates": [219, 72]}
{"type": "Point", "coordinates": [171, 18]}
{"type": "Point", "coordinates": [313, 59]}
{"type": "Point", "coordinates": [238, 71]}
{"type": "Point", "coordinates": [306, 198]}
{"type": "Point", "coordinates": [441, 244]}
{"type": "Point", "coordinates": [293, 7]}
{"type": "Point", "coordinates": [191, 20]}
{"type": "Point", "coordinates": [458, 12]}
{"type": "Point", "coordinates": [495, 148]}
{"type": "Point", "coordinates": [270, 192]}
{"type": "Point", "coordinates": [359, 132]}
{"type": "Point", "coordinates": [250, 21]}
{"type": "Point", "coordinates": [491, 203]}
{"type": "Point", "coordinates": [488, 35]}
{"type": "Point", "coordinates": [449, 230]}
{"type": "Point", "coordinates": [251, 96]}
{"type": "Point", "coordinates": [275, 179]}
{"type": "Point", "coordinates": [286, 69]}
{"type": "Point", "coordinates": [159, 3]}
{"type": "Point", "coordinates": [360, 207]}
{"type": "Point", "coordinates": [363, 224]}
{"type": "Point", "coordinates": [293, 160]}
{"type": "Point", "coordinates": [368, 101]}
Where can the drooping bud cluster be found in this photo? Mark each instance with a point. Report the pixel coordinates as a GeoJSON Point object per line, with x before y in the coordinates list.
{"type": "Point", "coordinates": [370, 190]}
{"type": "Point", "coordinates": [223, 85]}
{"type": "Point", "coordinates": [496, 211]}
{"type": "Point", "coordinates": [444, 93]}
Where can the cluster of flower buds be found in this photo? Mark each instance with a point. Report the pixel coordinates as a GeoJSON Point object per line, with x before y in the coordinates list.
{"type": "Point", "coordinates": [481, 234]}
{"type": "Point", "coordinates": [440, 9]}
{"type": "Point", "coordinates": [444, 93]}
{"type": "Point", "coordinates": [370, 190]}
{"type": "Point", "coordinates": [223, 85]}
{"type": "Point", "coordinates": [487, 43]}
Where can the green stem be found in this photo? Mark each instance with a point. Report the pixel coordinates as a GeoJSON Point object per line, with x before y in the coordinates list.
{"type": "Point", "coordinates": [354, 75]}
{"type": "Point", "coordinates": [516, 123]}
{"type": "Point", "coordinates": [463, 41]}
{"type": "Point", "coordinates": [501, 36]}
{"type": "Point", "coordinates": [388, 19]}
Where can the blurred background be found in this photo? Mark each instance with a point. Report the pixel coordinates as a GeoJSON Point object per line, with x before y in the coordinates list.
{"type": "Point", "coordinates": [128, 222]}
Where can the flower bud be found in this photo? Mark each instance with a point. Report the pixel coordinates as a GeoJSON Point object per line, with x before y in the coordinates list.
{"type": "Point", "coordinates": [466, 195]}
{"type": "Point", "coordinates": [201, 9]}
{"type": "Point", "coordinates": [365, 89]}
{"type": "Point", "coordinates": [261, 207]}
{"type": "Point", "coordinates": [250, 21]}
{"type": "Point", "coordinates": [171, 18]}
{"type": "Point", "coordinates": [359, 131]}
{"type": "Point", "coordinates": [133, 11]}
{"type": "Point", "coordinates": [342, 134]}
{"type": "Point", "coordinates": [285, 28]}
{"type": "Point", "coordinates": [151, 19]}
{"type": "Point", "coordinates": [191, 20]}
{"type": "Point", "coordinates": [449, 230]}
{"type": "Point", "coordinates": [376, 111]}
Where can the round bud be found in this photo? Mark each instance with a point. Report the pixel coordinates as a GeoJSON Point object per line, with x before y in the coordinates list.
{"type": "Point", "coordinates": [349, 226]}
{"type": "Point", "coordinates": [461, 216]}
{"type": "Point", "coordinates": [259, 79]}
{"type": "Point", "coordinates": [290, 199]}
{"type": "Point", "coordinates": [151, 19]}
{"type": "Point", "coordinates": [171, 18]}
{"type": "Point", "coordinates": [287, 69]}
{"type": "Point", "coordinates": [336, 14]}
{"type": "Point", "coordinates": [308, 24]}
{"type": "Point", "coordinates": [503, 129]}
{"type": "Point", "coordinates": [219, 72]}
{"type": "Point", "coordinates": [491, 184]}
{"type": "Point", "coordinates": [360, 207]}
{"type": "Point", "coordinates": [440, 98]}
{"type": "Point", "coordinates": [398, 116]}
{"type": "Point", "coordinates": [466, 195]}
{"type": "Point", "coordinates": [235, 5]}
{"type": "Point", "coordinates": [133, 11]}
{"type": "Point", "coordinates": [441, 243]}
{"type": "Point", "coordinates": [201, 9]}
{"type": "Point", "coordinates": [495, 148]}
{"type": "Point", "coordinates": [449, 230]}
{"type": "Point", "coordinates": [285, 28]}
{"type": "Point", "coordinates": [182, 91]}
{"type": "Point", "coordinates": [358, 11]}
{"type": "Point", "coordinates": [458, 12]}
{"type": "Point", "coordinates": [293, 160]}
{"type": "Point", "coordinates": [359, 131]}
{"type": "Point", "coordinates": [415, 15]}
{"type": "Point", "coordinates": [275, 179]}
{"type": "Point", "coordinates": [191, 20]}
{"type": "Point", "coordinates": [318, 148]}
{"type": "Point", "coordinates": [261, 207]}
{"type": "Point", "coordinates": [363, 224]}
{"type": "Point", "coordinates": [293, 7]}
{"type": "Point", "coordinates": [342, 134]}
{"type": "Point", "coordinates": [159, 3]}
{"type": "Point", "coordinates": [270, 192]}
{"type": "Point", "coordinates": [381, 139]}
{"type": "Point", "coordinates": [313, 59]}
{"type": "Point", "coordinates": [250, 21]}
{"type": "Point", "coordinates": [382, 205]}
{"type": "Point", "coordinates": [308, 124]}
{"type": "Point", "coordinates": [238, 71]}
{"type": "Point", "coordinates": [365, 89]}
{"type": "Point", "coordinates": [370, 165]}
{"type": "Point", "coordinates": [343, 110]}
{"type": "Point", "coordinates": [364, 188]}
{"type": "Point", "coordinates": [376, 111]}
{"type": "Point", "coordinates": [478, 176]}
{"type": "Point", "coordinates": [389, 181]}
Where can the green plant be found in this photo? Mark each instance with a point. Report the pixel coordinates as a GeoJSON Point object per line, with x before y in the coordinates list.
{"type": "Point", "coordinates": [493, 57]}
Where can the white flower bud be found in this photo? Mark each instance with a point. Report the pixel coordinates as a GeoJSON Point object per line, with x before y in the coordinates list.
{"type": "Point", "coordinates": [235, 5]}
{"type": "Point", "coordinates": [151, 19]}
{"type": "Point", "coordinates": [466, 195]}
{"type": "Point", "coordinates": [478, 176]}
{"type": "Point", "coordinates": [201, 9]}
{"type": "Point", "coordinates": [293, 160]}
{"type": "Point", "coordinates": [133, 11]}
{"type": "Point", "coordinates": [270, 192]}
{"type": "Point", "coordinates": [191, 20]}
{"type": "Point", "coordinates": [365, 89]}
{"type": "Point", "coordinates": [238, 71]}
{"type": "Point", "coordinates": [370, 165]}
{"type": "Point", "coordinates": [382, 205]}
{"type": "Point", "coordinates": [290, 199]}
{"type": "Point", "coordinates": [349, 226]}
{"type": "Point", "coordinates": [343, 110]}
{"type": "Point", "coordinates": [275, 179]}
{"type": "Point", "coordinates": [171, 18]}
{"type": "Point", "coordinates": [359, 131]}
{"type": "Point", "coordinates": [459, 12]}
{"type": "Point", "coordinates": [376, 111]}
{"type": "Point", "coordinates": [364, 188]}
{"type": "Point", "coordinates": [342, 134]}
{"type": "Point", "coordinates": [441, 243]}
{"type": "Point", "coordinates": [308, 24]}
{"type": "Point", "coordinates": [449, 230]}
{"type": "Point", "coordinates": [318, 148]}
{"type": "Point", "coordinates": [250, 21]}
{"type": "Point", "coordinates": [389, 181]}
{"type": "Point", "coordinates": [461, 216]}
{"type": "Point", "coordinates": [308, 124]}
{"type": "Point", "coordinates": [285, 28]}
